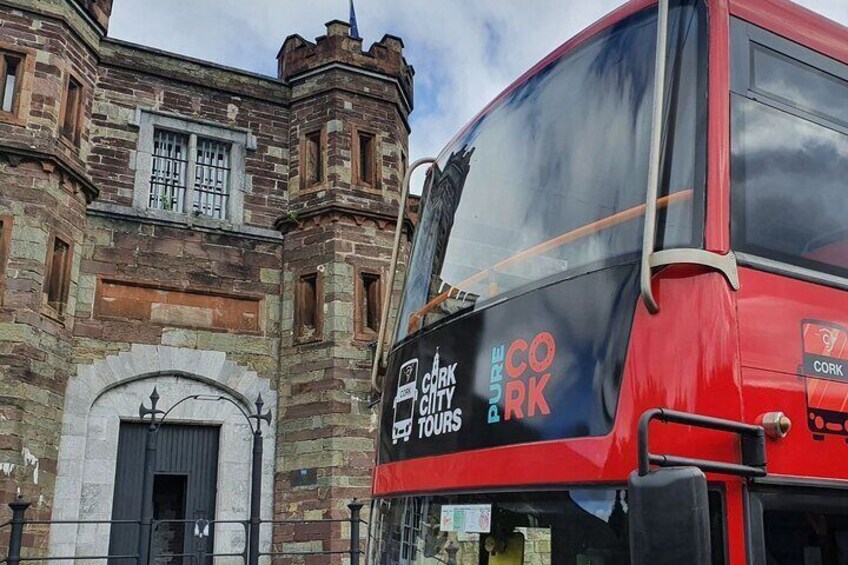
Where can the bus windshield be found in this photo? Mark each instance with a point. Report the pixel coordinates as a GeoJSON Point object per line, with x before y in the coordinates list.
{"type": "Point", "coordinates": [552, 178]}
{"type": "Point", "coordinates": [578, 526]}
{"type": "Point", "coordinates": [563, 527]}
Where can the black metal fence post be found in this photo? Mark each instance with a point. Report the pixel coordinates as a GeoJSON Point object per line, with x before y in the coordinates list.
{"type": "Point", "coordinates": [146, 522]}
{"type": "Point", "coordinates": [355, 509]}
{"type": "Point", "coordinates": [256, 481]}
{"type": "Point", "coordinates": [255, 497]}
{"type": "Point", "coordinates": [18, 507]}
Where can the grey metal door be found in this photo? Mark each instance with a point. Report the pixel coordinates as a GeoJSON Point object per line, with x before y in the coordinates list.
{"type": "Point", "coordinates": [185, 488]}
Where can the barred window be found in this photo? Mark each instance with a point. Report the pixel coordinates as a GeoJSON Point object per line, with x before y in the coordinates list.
{"type": "Point", "coordinates": [178, 157]}
{"type": "Point", "coordinates": [168, 177]}
{"type": "Point", "coordinates": [211, 178]}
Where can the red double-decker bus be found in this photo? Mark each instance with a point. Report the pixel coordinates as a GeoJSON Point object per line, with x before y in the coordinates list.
{"type": "Point", "coordinates": [628, 281]}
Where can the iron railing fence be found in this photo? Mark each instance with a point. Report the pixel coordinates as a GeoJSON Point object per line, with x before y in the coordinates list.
{"type": "Point", "coordinates": [203, 530]}
{"type": "Point", "coordinates": [14, 552]}
{"type": "Point", "coordinates": [354, 550]}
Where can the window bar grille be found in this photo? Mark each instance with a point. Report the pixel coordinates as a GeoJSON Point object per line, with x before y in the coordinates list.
{"type": "Point", "coordinates": [168, 179]}
{"type": "Point", "coordinates": [212, 178]}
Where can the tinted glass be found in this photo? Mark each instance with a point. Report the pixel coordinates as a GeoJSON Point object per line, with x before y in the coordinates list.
{"type": "Point", "coordinates": [553, 178]}
{"type": "Point", "coordinates": [580, 526]}
{"type": "Point", "coordinates": [801, 85]}
{"type": "Point", "coordinates": [790, 200]}
{"type": "Point", "coordinates": [799, 526]}
{"type": "Point", "coordinates": [806, 538]}
{"type": "Point", "coordinates": [575, 527]}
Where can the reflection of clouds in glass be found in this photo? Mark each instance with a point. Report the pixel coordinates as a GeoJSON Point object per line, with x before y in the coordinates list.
{"type": "Point", "coordinates": [599, 503]}
{"type": "Point", "coordinates": [804, 86]}
{"type": "Point", "coordinates": [550, 150]}
{"type": "Point", "coordinates": [793, 174]}
{"type": "Point", "coordinates": [565, 149]}
{"type": "Point", "coordinates": [770, 133]}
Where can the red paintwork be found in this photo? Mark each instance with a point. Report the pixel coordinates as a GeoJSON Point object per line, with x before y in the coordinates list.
{"type": "Point", "coordinates": [795, 23]}
{"type": "Point", "coordinates": [717, 220]}
{"type": "Point", "coordinates": [710, 350]}
{"type": "Point", "coordinates": [774, 312]}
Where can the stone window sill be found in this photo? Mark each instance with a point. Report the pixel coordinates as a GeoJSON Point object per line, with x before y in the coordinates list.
{"type": "Point", "coordinates": [179, 219]}
{"type": "Point", "coordinates": [308, 340]}
{"type": "Point", "coordinates": [50, 312]}
{"type": "Point", "coordinates": [12, 118]}
{"type": "Point", "coordinates": [68, 143]}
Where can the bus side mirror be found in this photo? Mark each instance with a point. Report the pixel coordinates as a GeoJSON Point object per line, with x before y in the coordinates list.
{"type": "Point", "coordinates": [669, 517]}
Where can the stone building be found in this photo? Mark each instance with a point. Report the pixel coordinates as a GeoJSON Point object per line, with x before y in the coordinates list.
{"type": "Point", "coordinates": [169, 222]}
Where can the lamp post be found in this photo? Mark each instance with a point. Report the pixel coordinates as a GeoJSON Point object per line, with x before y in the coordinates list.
{"type": "Point", "coordinates": [145, 525]}
{"type": "Point", "coordinates": [256, 479]}
{"type": "Point", "coordinates": [146, 522]}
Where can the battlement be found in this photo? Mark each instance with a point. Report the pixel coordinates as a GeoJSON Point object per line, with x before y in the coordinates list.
{"type": "Point", "coordinates": [98, 10]}
{"type": "Point", "coordinates": [298, 56]}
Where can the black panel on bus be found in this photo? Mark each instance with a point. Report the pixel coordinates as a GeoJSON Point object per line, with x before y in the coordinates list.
{"type": "Point", "coordinates": [544, 365]}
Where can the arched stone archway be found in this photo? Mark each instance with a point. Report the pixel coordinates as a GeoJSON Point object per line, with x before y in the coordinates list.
{"type": "Point", "coordinates": [109, 391]}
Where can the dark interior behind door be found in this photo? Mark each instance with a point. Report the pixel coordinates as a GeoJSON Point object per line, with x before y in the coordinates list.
{"type": "Point", "coordinates": [186, 483]}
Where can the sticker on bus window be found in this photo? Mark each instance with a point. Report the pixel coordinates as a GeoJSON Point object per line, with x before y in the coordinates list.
{"type": "Point", "coordinates": [467, 518]}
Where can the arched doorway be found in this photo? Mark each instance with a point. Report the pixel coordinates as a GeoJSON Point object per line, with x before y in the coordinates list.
{"type": "Point", "coordinates": [103, 400]}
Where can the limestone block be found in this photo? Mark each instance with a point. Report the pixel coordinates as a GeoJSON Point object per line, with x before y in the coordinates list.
{"type": "Point", "coordinates": [269, 276]}
{"type": "Point", "coordinates": [15, 332]}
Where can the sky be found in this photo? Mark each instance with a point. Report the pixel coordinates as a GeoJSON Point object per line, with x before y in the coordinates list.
{"type": "Point", "coordinates": [464, 51]}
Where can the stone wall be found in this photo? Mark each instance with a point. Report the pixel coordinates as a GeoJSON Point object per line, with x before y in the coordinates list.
{"type": "Point", "coordinates": [35, 343]}
{"type": "Point", "coordinates": [53, 53]}
{"type": "Point", "coordinates": [44, 191]}
{"type": "Point", "coordinates": [128, 266]}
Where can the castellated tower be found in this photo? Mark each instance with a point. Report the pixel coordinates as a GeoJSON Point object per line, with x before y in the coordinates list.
{"type": "Point", "coordinates": [348, 155]}
{"type": "Point", "coordinates": [48, 72]}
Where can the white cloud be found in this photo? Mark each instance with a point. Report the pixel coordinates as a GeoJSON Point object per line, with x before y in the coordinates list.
{"type": "Point", "coordinates": [464, 51]}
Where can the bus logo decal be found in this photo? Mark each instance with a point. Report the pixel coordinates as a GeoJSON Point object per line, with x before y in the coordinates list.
{"type": "Point", "coordinates": [404, 403]}
{"type": "Point", "coordinates": [437, 415]}
{"type": "Point", "coordinates": [526, 366]}
{"type": "Point", "coordinates": [425, 405]}
{"type": "Point", "coordinates": [829, 337]}
{"type": "Point", "coordinates": [825, 368]}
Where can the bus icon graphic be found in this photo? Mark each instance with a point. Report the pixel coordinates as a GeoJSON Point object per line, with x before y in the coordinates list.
{"type": "Point", "coordinates": [404, 404]}
{"type": "Point", "coordinates": [825, 368]}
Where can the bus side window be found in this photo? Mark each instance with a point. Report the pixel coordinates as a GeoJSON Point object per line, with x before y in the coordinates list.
{"type": "Point", "coordinates": [799, 528]}
{"type": "Point", "coordinates": [718, 545]}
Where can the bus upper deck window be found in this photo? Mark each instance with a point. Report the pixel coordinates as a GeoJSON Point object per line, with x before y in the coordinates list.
{"type": "Point", "coordinates": [789, 154]}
